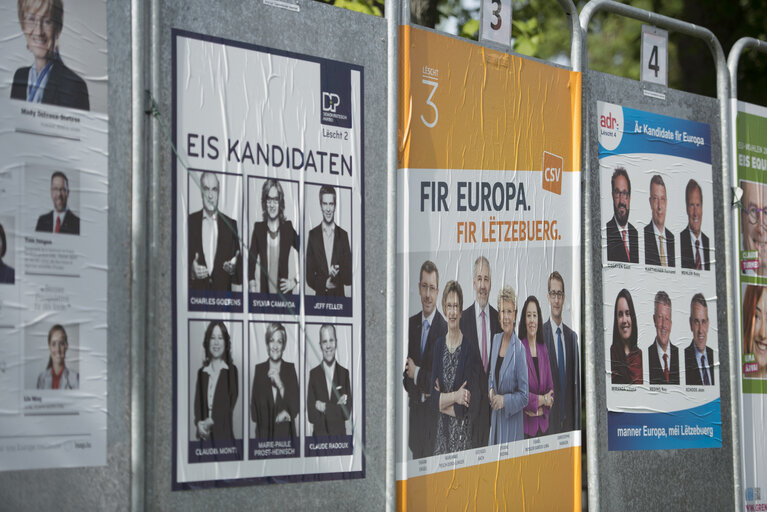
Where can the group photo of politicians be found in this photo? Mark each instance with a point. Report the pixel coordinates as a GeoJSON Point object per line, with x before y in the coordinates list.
{"type": "Point", "coordinates": [655, 360]}
{"type": "Point", "coordinates": [265, 257]}
{"type": "Point", "coordinates": [661, 244]}
{"type": "Point", "coordinates": [484, 366]}
{"type": "Point", "coordinates": [270, 389]}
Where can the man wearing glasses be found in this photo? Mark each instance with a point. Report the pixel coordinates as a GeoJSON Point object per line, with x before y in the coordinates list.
{"type": "Point", "coordinates": [658, 241]}
{"type": "Point", "coordinates": [622, 239]}
{"type": "Point", "coordinates": [423, 330]}
{"type": "Point", "coordinates": [694, 243]}
{"type": "Point", "coordinates": [61, 219]}
{"type": "Point", "coordinates": [562, 345]}
{"type": "Point", "coordinates": [753, 225]}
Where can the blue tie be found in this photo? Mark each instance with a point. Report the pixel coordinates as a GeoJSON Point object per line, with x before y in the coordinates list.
{"type": "Point", "coordinates": [561, 365]}
{"type": "Point", "coordinates": [424, 334]}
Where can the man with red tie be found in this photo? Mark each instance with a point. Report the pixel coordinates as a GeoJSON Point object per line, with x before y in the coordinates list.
{"type": "Point", "coordinates": [479, 323]}
{"type": "Point", "coordinates": [60, 219]}
{"type": "Point", "coordinates": [622, 239]}
{"type": "Point", "coordinates": [695, 254]}
{"type": "Point", "coordinates": [662, 355]}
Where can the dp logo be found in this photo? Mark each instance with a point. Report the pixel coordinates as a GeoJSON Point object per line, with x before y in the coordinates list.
{"type": "Point", "coordinates": [330, 101]}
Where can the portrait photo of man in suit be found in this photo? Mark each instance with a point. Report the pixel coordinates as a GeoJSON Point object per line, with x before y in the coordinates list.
{"type": "Point", "coordinates": [753, 224]}
{"type": "Point", "coordinates": [328, 254]}
{"type": "Point", "coordinates": [274, 404]}
{"type": "Point", "coordinates": [214, 246]}
{"type": "Point", "coordinates": [693, 242]}
{"type": "Point", "coordinates": [662, 355]}
{"type": "Point", "coordinates": [658, 241]}
{"type": "Point", "coordinates": [622, 237]}
{"type": "Point", "coordinates": [699, 358]}
{"type": "Point", "coordinates": [423, 330]}
{"type": "Point", "coordinates": [564, 361]}
{"type": "Point", "coordinates": [61, 219]}
{"type": "Point", "coordinates": [479, 323]}
{"type": "Point", "coordinates": [329, 397]}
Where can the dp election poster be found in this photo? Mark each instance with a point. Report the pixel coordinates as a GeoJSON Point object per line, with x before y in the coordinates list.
{"type": "Point", "coordinates": [268, 258]}
{"type": "Point", "coordinates": [488, 259]}
{"type": "Point", "coordinates": [751, 151]}
{"type": "Point", "coordinates": [660, 330]}
{"type": "Point", "coordinates": [53, 234]}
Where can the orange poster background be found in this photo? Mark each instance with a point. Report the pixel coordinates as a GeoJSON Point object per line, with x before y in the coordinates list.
{"type": "Point", "coordinates": [496, 111]}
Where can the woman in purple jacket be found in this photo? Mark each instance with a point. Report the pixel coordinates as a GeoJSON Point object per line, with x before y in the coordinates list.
{"type": "Point", "coordinates": [540, 382]}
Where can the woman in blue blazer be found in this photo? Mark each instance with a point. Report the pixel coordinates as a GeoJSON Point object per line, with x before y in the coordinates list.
{"type": "Point", "coordinates": [455, 374]}
{"type": "Point", "coordinates": [507, 379]}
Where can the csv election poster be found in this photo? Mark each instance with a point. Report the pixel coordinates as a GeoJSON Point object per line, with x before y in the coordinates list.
{"type": "Point", "coordinates": [661, 337]}
{"type": "Point", "coordinates": [53, 234]}
{"type": "Point", "coordinates": [751, 150]}
{"type": "Point", "coordinates": [488, 259]}
{"type": "Point", "coordinates": [268, 256]}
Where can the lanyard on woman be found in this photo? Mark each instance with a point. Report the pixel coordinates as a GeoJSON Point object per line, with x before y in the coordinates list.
{"type": "Point", "coordinates": [33, 89]}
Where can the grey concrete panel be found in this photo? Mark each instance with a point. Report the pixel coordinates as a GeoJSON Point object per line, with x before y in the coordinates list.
{"type": "Point", "coordinates": [319, 30]}
{"type": "Point", "coordinates": [101, 488]}
{"type": "Point", "coordinates": [690, 479]}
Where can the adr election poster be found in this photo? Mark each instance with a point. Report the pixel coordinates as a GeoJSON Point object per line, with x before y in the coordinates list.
{"type": "Point", "coordinates": [268, 257]}
{"type": "Point", "coordinates": [488, 259]}
{"type": "Point", "coordinates": [661, 335]}
{"type": "Point", "coordinates": [53, 234]}
{"type": "Point", "coordinates": [751, 151]}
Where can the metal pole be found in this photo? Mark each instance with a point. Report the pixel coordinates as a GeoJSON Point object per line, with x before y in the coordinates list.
{"type": "Point", "coordinates": [722, 86]}
{"type": "Point", "coordinates": [392, 62]}
{"type": "Point", "coordinates": [138, 260]}
{"type": "Point", "coordinates": [737, 404]}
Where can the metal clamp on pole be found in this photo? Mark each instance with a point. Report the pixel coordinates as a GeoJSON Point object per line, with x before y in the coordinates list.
{"type": "Point", "coordinates": [590, 232]}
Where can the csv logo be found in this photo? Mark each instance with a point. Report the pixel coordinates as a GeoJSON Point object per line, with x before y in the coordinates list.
{"type": "Point", "coordinates": [552, 172]}
{"type": "Point", "coordinates": [330, 102]}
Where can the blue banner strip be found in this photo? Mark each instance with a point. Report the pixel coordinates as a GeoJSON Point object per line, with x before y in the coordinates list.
{"type": "Point", "coordinates": [700, 427]}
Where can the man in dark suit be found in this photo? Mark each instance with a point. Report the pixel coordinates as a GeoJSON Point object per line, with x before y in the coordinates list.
{"type": "Point", "coordinates": [480, 322]}
{"type": "Point", "coordinates": [693, 243]}
{"type": "Point", "coordinates": [328, 275]}
{"type": "Point", "coordinates": [423, 330]}
{"type": "Point", "coordinates": [663, 356]}
{"type": "Point", "coordinates": [698, 358]}
{"type": "Point", "coordinates": [214, 247]}
{"type": "Point", "coordinates": [564, 361]}
{"type": "Point", "coordinates": [622, 238]}
{"type": "Point", "coordinates": [60, 219]}
{"type": "Point", "coordinates": [658, 241]}
{"type": "Point", "coordinates": [329, 399]}
{"type": "Point", "coordinates": [274, 398]}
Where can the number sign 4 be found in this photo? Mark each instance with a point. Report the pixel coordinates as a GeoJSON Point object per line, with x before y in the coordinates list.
{"type": "Point", "coordinates": [654, 55]}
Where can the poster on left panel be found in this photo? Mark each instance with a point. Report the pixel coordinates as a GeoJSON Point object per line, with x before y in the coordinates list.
{"type": "Point", "coordinates": [268, 255]}
{"type": "Point", "coordinates": [53, 234]}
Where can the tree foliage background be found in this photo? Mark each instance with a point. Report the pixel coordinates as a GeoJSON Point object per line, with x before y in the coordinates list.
{"type": "Point", "coordinates": [539, 29]}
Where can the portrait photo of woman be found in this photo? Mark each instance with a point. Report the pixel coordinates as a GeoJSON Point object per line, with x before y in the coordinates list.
{"type": "Point", "coordinates": [625, 356]}
{"type": "Point", "coordinates": [48, 80]}
{"type": "Point", "coordinates": [275, 396]}
{"type": "Point", "coordinates": [56, 375]}
{"type": "Point", "coordinates": [216, 388]}
{"type": "Point", "coordinates": [455, 377]}
{"type": "Point", "coordinates": [541, 383]}
{"type": "Point", "coordinates": [7, 274]}
{"type": "Point", "coordinates": [755, 332]}
{"type": "Point", "coordinates": [273, 246]}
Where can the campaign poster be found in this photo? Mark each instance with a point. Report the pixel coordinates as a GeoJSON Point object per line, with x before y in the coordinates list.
{"type": "Point", "coordinates": [659, 285]}
{"type": "Point", "coordinates": [751, 155]}
{"type": "Point", "coordinates": [489, 279]}
{"type": "Point", "coordinates": [268, 265]}
{"type": "Point", "coordinates": [53, 235]}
